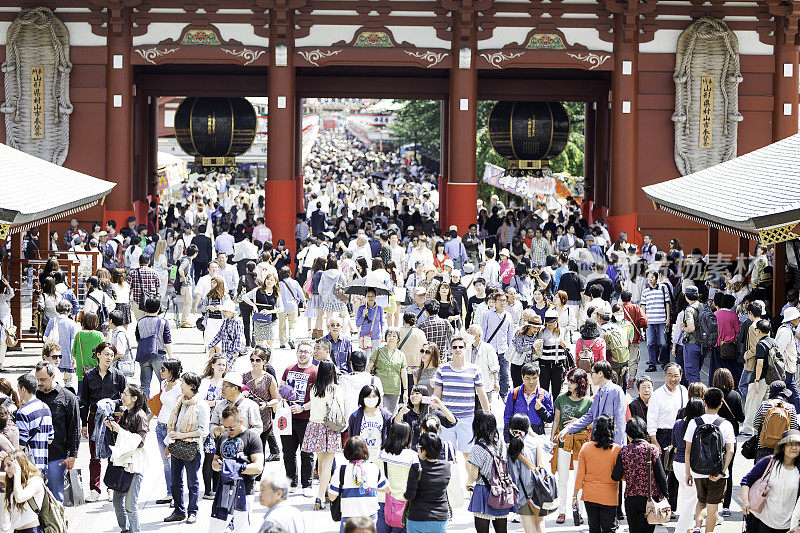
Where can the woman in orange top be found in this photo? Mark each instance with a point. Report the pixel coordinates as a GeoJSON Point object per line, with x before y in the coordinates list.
{"type": "Point", "coordinates": [595, 463]}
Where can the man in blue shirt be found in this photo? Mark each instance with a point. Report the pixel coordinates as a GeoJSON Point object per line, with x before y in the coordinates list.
{"type": "Point", "coordinates": [610, 400]}
{"type": "Point", "coordinates": [339, 348]}
{"type": "Point", "coordinates": [529, 399]}
{"type": "Point", "coordinates": [455, 248]}
{"type": "Point", "coordinates": [498, 326]}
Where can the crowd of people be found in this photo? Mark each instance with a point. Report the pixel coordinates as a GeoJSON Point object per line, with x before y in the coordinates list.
{"type": "Point", "coordinates": [489, 369]}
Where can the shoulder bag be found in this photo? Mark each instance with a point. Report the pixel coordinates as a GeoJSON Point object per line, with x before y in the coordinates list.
{"type": "Point", "coordinates": [117, 478]}
{"type": "Point", "coordinates": [545, 484]}
{"type": "Point", "coordinates": [336, 505]}
{"type": "Point", "coordinates": [489, 340]}
{"type": "Point", "coordinates": [393, 508]}
{"type": "Point", "coordinates": [656, 512]}
{"type": "Point", "coordinates": [757, 496]}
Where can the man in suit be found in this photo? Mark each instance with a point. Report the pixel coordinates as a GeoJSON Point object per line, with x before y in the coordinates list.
{"type": "Point", "coordinates": [205, 251]}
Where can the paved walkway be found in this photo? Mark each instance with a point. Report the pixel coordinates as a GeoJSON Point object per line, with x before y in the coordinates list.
{"type": "Point", "coordinates": [99, 516]}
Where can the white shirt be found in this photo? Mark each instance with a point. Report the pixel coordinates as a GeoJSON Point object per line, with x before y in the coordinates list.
{"type": "Point", "coordinates": [663, 407]}
{"type": "Point", "coordinates": [204, 285]}
{"type": "Point", "coordinates": [782, 496]}
{"type": "Point", "coordinates": [725, 428]}
{"type": "Point", "coordinates": [352, 384]}
{"type": "Point", "coordinates": [784, 339]}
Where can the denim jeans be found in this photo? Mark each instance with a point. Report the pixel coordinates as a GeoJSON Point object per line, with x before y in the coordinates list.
{"type": "Point", "coordinates": [504, 374]}
{"type": "Point", "coordinates": [692, 360]}
{"type": "Point", "coordinates": [745, 381]}
{"type": "Point", "coordinates": [161, 433]}
{"type": "Point", "coordinates": [126, 505]}
{"type": "Point", "coordinates": [55, 478]}
{"type": "Point", "coordinates": [192, 469]}
{"type": "Point", "coordinates": [149, 368]}
{"type": "Point", "coordinates": [424, 527]}
{"type": "Point", "coordinates": [656, 342]}
{"type": "Point", "coordinates": [791, 384]}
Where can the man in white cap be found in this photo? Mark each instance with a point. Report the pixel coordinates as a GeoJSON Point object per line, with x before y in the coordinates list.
{"type": "Point", "coordinates": [232, 385]}
{"type": "Point", "coordinates": [785, 339]}
{"type": "Point", "coordinates": [230, 336]}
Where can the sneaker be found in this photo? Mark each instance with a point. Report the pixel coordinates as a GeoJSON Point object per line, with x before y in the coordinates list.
{"type": "Point", "coordinates": [293, 489]}
{"type": "Point", "coordinates": [209, 496]}
{"type": "Point", "coordinates": [162, 501]}
{"type": "Point", "coordinates": [291, 345]}
{"type": "Point", "coordinates": [651, 368]}
{"type": "Point", "coordinates": [273, 457]}
{"type": "Point", "coordinates": [191, 519]}
{"type": "Point", "coordinates": [726, 513]}
{"type": "Point", "coordinates": [308, 492]}
{"type": "Point", "coordinates": [93, 496]}
{"type": "Point", "coordinates": [110, 495]}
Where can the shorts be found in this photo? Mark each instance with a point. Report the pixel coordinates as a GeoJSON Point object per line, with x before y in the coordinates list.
{"type": "Point", "coordinates": [460, 435]}
{"type": "Point", "coordinates": [710, 492]}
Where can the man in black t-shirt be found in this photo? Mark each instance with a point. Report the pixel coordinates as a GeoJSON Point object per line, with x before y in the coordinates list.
{"type": "Point", "coordinates": [239, 459]}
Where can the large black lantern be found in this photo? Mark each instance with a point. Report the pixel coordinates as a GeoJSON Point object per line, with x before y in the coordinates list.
{"type": "Point", "coordinates": [215, 130]}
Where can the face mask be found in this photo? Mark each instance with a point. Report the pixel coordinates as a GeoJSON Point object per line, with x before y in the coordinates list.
{"type": "Point", "coordinates": [371, 402]}
{"type": "Point", "coordinates": [620, 317]}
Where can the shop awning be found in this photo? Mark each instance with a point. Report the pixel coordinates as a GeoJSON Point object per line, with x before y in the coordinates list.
{"type": "Point", "coordinates": [35, 191]}
{"type": "Point", "coordinates": [756, 195]}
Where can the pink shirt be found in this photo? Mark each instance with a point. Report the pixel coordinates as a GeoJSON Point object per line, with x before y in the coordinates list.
{"type": "Point", "coordinates": [598, 347]}
{"type": "Point", "coordinates": [262, 233]}
{"type": "Point", "coordinates": [727, 325]}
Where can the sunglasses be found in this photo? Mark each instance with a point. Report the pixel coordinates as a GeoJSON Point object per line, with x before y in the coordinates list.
{"type": "Point", "coordinates": [459, 347]}
{"type": "Point", "coordinates": [256, 360]}
{"type": "Point", "coordinates": [425, 351]}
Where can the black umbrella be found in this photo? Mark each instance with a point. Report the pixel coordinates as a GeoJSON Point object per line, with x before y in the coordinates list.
{"type": "Point", "coordinates": [362, 285]}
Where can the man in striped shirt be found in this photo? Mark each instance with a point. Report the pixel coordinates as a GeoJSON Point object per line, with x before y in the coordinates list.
{"type": "Point", "coordinates": [34, 421]}
{"type": "Point", "coordinates": [456, 384]}
{"type": "Point", "coordinates": [655, 303]}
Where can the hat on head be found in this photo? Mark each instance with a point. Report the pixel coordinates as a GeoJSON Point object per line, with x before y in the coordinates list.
{"type": "Point", "coordinates": [410, 228]}
{"type": "Point", "coordinates": [691, 291]}
{"type": "Point", "coordinates": [234, 378]}
{"type": "Point", "coordinates": [103, 233]}
{"type": "Point", "coordinates": [504, 252]}
{"type": "Point", "coordinates": [791, 314]}
{"type": "Point", "coordinates": [229, 306]}
{"type": "Point", "coordinates": [605, 315]}
{"type": "Point", "coordinates": [420, 290]}
{"type": "Point", "coordinates": [589, 238]}
{"type": "Point", "coordinates": [453, 228]}
{"type": "Point", "coordinates": [550, 314]}
{"type": "Point", "coordinates": [448, 263]}
{"type": "Point", "coordinates": [737, 279]}
{"type": "Point", "coordinates": [468, 268]}
{"type": "Point", "coordinates": [790, 435]}
{"type": "Point", "coordinates": [777, 389]}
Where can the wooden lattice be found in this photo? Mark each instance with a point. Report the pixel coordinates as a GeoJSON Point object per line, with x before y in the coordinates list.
{"type": "Point", "coordinates": [779, 234]}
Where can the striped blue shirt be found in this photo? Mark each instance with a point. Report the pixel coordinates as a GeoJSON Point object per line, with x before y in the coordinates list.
{"type": "Point", "coordinates": [458, 388]}
{"type": "Point", "coordinates": [655, 301]}
{"type": "Point", "coordinates": [35, 425]}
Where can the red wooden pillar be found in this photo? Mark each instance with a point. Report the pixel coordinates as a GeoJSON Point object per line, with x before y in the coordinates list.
{"type": "Point", "coordinates": [713, 242]}
{"type": "Point", "coordinates": [590, 153]}
{"type": "Point", "coordinates": [444, 163]}
{"type": "Point", "coordinates": [300, 191]}
{"type": "Point", "coordinates": [624, 131]}
{"type": "Point", "coordinates": [601, 159]}
{"type": "Point", "coordinates": [280, 186]}
{"type": "Point", "coordinates": [462, 188]}
{"type": "Point", "coordinates": [784, 83]}
{"type": "Point", "coordinates": [119, 118]}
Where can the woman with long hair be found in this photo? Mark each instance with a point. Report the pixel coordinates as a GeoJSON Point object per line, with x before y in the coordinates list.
{"type": "Point", "coordinates": [430, 360]}
{"type": "Point", "coordinates": [211, 392]}
{"type": "Point", "coordinates": [527, 452]}
{"type": "Point", "coordinates": [6, 320]}
{"type": "Point", "coordinates": [23, 483]}
{"type": "Point", "coordinates": [426, 488]}
{"type": "Point", "coordinates": [732, 410]}
{"type": "Point", "coordinates": [169, 397]}
{"type": "Point", "coordinates": [393, 314]}
{"type": "Point", "coordinates": [131, 432]}
{"type": "Point", "coordinates": [439, 257]}
{"type": "Point", "coordinates": [247, 284]}
{"type": "Point", "coordinates": [8, 397]}
{"type": "Point", "coordinates": [266, 303]}
{"type": "Point", "coordinates": [593, 480]}
{"type": "Point", "coordinates": [122, 290]}
{"type": "Point", "coordinates": [552, 352]}
{"type": "Point", "coordinates": [687, 495]}
{"type": "Point", "coordinates": [448, 308]}
{"type": "Point", "coordinates": [639, 463]}
{"type": "Point", "coordinates": [264, 391]}
{"type": "Point", "coordinates": [102, 382]}
{"type": "Point", "coordinates": [47, 304]}
{"type": "Point", "coordinates": [415, 411]}
{"type": "Point", "coordinates": [540, 305]}
{"type": "Point", "coordinates": [212, 309]}
{"type": "Point", "coordinates": [371, 421]}
{"type": "Point", "coordinates": [395, 459]}
{"type": "Point", "coordinates": [312, 307]}
{"type": "Point", "coordinates": [188, 423]}
{"type": "Point", "coordinates": [319, 438]}
{"type": "Point", "coordinates": [480, 464]}
{"type": "Point", "coordinates": [389, 364]}
{"type": "Point", "coordinates": [568, 407]}
{"type": "Point", "coordinates": [524, 343]}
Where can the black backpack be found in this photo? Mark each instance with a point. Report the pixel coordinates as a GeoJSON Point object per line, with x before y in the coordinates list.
{"type": "Point", "coordinates": [708, 450]}
{"type": "Point", "coordinates": [102, 310]}
{"type": "Point", "coordinates": [774, 366]}
{"type": "Point", "coordinates": [706, 329]}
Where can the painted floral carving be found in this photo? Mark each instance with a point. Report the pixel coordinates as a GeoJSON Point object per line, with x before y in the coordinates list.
{"type": "Point", "coordinates": [546, 41]}
{"type": "Point", "coordinates": [200, 38]}
{"type": "Point", "coordinates": [373, 39]}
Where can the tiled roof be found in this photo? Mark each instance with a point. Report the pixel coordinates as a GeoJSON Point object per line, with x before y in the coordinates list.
{"type": "Point", "coordinates": [34, 189]}
{"type": "Point", "coordinates": [753, 192]}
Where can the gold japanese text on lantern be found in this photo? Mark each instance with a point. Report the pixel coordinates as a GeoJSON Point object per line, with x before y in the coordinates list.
{"type": "Point", "coordinates": [706, 110]}
{"type": "Point", "coordinates": [37, 102]}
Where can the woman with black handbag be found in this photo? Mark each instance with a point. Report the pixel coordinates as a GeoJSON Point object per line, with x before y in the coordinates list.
{"type": "Point", "coordinates": [128, 469]}
{"type": "Point", "coordinates": [526, 454]}
{"type": "Point", "coordinates": [187, 429]}
{"type": "Point", "coordinates": [639, 463]}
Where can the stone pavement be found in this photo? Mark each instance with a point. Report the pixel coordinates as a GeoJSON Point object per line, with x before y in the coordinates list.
{"type": "Point", "coordinates": [99, 516]}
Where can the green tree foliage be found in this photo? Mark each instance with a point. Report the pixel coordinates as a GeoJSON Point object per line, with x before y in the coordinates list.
{"type": "Point", "coordinates": [422, 118]}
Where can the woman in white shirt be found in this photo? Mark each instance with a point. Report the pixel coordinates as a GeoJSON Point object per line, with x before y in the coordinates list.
{"type": "Point", "coordinates": [6, 294]}
{"type": "Point", "coordinates": [171, 370]}
{"type": "Point", "coordinates": [123, 291]}
{"type": "Point", "coordinates": [161, 266]}
{"type": "Point", "coordinates": [15, 512]}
